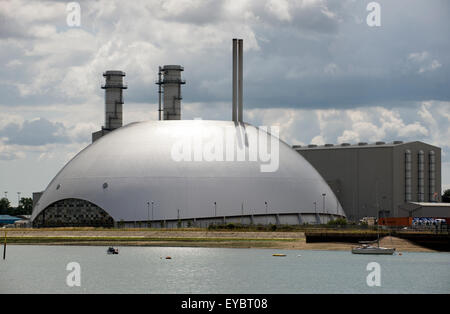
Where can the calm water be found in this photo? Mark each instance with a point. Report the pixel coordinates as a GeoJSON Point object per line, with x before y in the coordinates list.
{"type": "Point", "coordinates": [42, 269]}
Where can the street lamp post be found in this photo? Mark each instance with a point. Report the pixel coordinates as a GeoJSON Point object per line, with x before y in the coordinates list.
{"type": "Point", "coordinates": [323, 195]}
{"type": "Point", "coordinates": [215, 209]}
{"type": "Point", "coordinates": [148, 214]}
{"type": "Point", "coordinates": [267, 217]}
{"type": "Point", "coordinates": [315, 210]}
{"type": "Point", "coordinates": [384, 205]}
{"type": "Point", "coordinates": [337, 203]}
{"type": "Point", "coordinates": [152, 210]}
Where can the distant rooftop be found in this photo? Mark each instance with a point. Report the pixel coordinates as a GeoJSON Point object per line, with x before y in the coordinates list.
{"type": "Point", "coordinates": [6, 219]}
{"type": "Point", "coordinates": [358, 145]}
{"type": "Point", "coordinates": [427, 204]}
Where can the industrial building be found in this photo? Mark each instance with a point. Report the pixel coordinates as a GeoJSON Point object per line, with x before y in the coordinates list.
{"type": "Point", "coordinates": [151, 173]}
{"type": "Point", "coordinates": [385, 179]}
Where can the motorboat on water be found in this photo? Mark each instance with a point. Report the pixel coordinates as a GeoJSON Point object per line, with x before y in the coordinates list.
{"type": "Point", "coordinates": [112, 250]}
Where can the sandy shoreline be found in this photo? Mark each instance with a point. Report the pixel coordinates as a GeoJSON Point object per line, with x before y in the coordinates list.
{"type": "Point", "coordinates": [183, 238]}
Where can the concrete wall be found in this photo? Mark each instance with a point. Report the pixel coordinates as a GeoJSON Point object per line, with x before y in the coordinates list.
{"type": "Point", "coordinates": [275, 219]}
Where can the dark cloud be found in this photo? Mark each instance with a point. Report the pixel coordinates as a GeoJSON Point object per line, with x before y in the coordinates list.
{"type": "Point", "coordinates": [35, 133]}
{"type": "Point", "coordinates": [10, 28]}
{"type": "Point", "coordinates": [315, 54]}
{"type": "Point", "coordinates": [343, 65]}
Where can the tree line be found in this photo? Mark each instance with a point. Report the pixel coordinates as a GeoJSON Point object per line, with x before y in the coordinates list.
{"type": "Point", "coordinates": [25, 207]}
{"type": "Point", "coordinates": [446, 196]}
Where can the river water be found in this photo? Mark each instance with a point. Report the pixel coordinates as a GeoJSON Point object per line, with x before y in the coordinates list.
{"type": "Point", "coordinates": [42, 269]}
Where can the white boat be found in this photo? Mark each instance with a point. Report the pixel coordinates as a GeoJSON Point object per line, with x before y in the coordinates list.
{"type": "Point", "coordinates": [370, 249]}
{"type": "Point", "coordinates": [366, 248]}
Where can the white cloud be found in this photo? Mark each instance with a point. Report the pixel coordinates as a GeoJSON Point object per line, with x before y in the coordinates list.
{"type": "Point", "coordinates": [8, 152]}
{"type": "Point", "coordinates": [428, 121]}
{"type": "Point", "coordinates": [318, 140]}
{"type": "Point", "coordinates": [413, 130]}
{"type": "Point", "coordinates": [7, 118]}
{"type": "Point", "coordinates": [419, 56]}
{"type": "Point", "coordinates": [331, 69]}
{"type": "Point", "coordinates": [424, 61]}
{"type": "Point", "coordinates": [280, 9]}
{"type": "Point", "coordinates": [348, 136]}
{"type": "Point", "coordinates": [14, 63]}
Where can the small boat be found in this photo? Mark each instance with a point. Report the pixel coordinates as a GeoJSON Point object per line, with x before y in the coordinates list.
{"type": "Point", "coordinates": [278, 254]}
{"type": "Point", "coordinates": [112, 250]}
{"type": "Point", "coordinates": [366, 248]}
{"type": "Point", "coordinates": [370, 249]}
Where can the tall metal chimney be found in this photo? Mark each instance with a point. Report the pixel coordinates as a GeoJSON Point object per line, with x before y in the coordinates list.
{"type": "Point", "coordinates": [240, 81]}
{"type": "Point", "coordinates": [113, 103]}
{"type": "Point", "coordinates": [237, 73]}
{"type": "Point", "coordinates": [234, 76]}
{"type": "Point", "coordinates": [171, 83]}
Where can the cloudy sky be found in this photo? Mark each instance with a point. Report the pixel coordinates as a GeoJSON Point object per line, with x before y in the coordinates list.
{"type": "Point", "coordinates": [313, 67]}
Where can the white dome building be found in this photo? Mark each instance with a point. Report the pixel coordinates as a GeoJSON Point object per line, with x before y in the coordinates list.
{"type": "Point", "coordinates": [175, 172]}
{"type": "Point", "coordinates": [186, 172]}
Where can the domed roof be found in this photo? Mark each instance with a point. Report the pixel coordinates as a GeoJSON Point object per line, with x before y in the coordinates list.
{"type": "Point", "coordinates": [158, 161]}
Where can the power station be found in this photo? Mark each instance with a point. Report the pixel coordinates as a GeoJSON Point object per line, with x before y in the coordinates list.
{"type": "Point", "coordinates": [174, 172]}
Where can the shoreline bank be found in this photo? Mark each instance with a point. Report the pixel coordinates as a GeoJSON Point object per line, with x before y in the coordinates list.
{"type": "Point", "coordinates": [192, 238]}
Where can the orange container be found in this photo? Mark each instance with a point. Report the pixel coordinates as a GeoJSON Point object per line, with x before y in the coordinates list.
{"type": "Point", "coordinates": [395, 221]}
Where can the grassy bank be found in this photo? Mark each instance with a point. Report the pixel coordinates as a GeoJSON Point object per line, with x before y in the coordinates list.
{"type": "Point", "coordinates": [195, 237]}
{"type": "Point", "coordinates": [75, 239]}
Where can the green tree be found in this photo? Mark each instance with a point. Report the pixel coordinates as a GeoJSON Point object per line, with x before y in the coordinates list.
{"type": "Point", "coordinates": [338, 222]}
{"type": "Point", "coordinates": [25, 206]}
{"type": "Point", "coordinates": [446, 196]}
{"type": "Point", "coordinates": [5, 206]}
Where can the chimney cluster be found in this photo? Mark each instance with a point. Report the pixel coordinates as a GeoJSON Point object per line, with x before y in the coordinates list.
{"type": "Point", "coordinates": [169, 81]}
